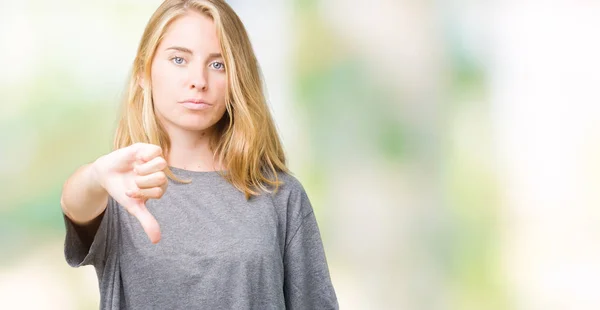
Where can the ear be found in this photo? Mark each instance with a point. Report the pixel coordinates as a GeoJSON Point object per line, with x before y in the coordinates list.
{"type": "Point", "coordinates": [140, 81]}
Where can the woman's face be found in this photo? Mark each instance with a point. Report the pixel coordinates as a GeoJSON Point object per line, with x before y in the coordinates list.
{"type": "Point", "coordinates": [188, 75]}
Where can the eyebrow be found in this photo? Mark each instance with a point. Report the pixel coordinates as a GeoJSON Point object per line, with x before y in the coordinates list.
{"type": "Point", "coordinates": [189, 51]}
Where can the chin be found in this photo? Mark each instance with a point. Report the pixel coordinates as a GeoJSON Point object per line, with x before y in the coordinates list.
{"type": "Point", "coordinates": [192, 122]}
{"type": "Point", "coordinates": [194, 126]}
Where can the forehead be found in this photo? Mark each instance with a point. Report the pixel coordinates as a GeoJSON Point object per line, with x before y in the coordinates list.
{"type": "Point", "coordinates": [194, 31]}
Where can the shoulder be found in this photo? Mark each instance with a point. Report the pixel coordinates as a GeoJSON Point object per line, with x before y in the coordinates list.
{"type": "Point", "coordinates": [291, 195]}
{"type": "Point", "coordinates": [288, 185]}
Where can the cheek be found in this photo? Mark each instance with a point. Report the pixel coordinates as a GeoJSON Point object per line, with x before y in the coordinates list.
{"type": "Point", "coordinates": [162, 84]}
{"type": "Point", "coordinates": [220, 87]}
{"type": "Point", "coordinates": [220, 92]}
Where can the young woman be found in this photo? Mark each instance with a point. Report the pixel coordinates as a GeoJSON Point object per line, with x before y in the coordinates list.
{"type": "Point", "coordinates": [198, 169]}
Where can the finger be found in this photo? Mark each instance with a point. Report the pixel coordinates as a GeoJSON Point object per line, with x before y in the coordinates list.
{"type": "Point", "coordinates": [131, 152]}
{"type": "Point", "coordinates": [146, 193]}
{"type": "Point", "coordinates": [127, 155]}
{"type": "Point", "coordinates": [156, 164]}
{"type": "Point", "coordinates": [148, 152]}
{"type": "Point", "coordinates": [149, 223]}
{"type": "Point", "coordinates": [156, 179]}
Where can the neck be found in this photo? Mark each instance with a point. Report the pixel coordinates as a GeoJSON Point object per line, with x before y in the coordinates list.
{"type": "Point", "coordinates": [191, 151]}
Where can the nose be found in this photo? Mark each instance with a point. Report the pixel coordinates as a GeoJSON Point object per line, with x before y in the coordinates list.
{"type": "Point", "coordinates": [198, 80]}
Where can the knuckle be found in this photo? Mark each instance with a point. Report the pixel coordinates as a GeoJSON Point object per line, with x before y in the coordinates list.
{"type": "Point", "coordinates": [162, 178]}
{"type": "Point", "coordinates": [139, 171]}
{"type": "Point", "coordinates": [162, 163]}
{"type": "Point", "coordinates": [156, 148]}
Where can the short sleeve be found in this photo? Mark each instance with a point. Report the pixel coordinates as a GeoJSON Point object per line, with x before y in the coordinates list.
{"type": "Point", "coordinates": [307, 283]}
{"type": "Point", "coordinates": [76, 252]}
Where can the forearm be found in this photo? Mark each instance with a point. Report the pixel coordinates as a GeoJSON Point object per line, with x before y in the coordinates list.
{"type": "Point", "coordinates": [83, 198]}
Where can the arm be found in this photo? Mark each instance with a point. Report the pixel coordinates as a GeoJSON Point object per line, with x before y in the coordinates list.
{"type": "Point", "coordinates": [129, 176]}
{"type": "Point", "coordinates": [90, 199]}
{"type": "Point", "coordinates": [307, 282]}
{"type": "Point", "coordinates": [83, 201]}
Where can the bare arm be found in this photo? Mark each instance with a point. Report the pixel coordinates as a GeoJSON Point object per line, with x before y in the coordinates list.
{"type": "Point", "coordinates": [83, 198]}
{"type": "Point", "coordinates": [129, 175]}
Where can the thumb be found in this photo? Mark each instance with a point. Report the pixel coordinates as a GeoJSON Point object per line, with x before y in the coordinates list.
{"type": "Point", "coordinates": [123, 158]}
{"type": "Point", "coordinates": [149, 223]}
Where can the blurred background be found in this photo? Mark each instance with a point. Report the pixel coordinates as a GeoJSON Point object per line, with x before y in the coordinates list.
{"type": "Point", "coordinates": [450, 148]}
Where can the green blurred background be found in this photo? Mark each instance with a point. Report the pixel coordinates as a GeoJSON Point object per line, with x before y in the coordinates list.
{"type": "Point", "coordinates": [450, 148]}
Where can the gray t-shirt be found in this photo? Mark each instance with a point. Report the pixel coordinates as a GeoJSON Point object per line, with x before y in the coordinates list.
{"type": "Point", "coordinates": [217, 251]}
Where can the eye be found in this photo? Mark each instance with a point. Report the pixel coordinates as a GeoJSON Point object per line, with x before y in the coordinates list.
{"type": "Point", "coordinates": [217, 65]}
{"type": "Point", "coordinates": [178, 60]}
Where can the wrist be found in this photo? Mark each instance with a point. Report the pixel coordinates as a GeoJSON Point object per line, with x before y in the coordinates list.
{"type": "Point", "coordinates": [95, 175]}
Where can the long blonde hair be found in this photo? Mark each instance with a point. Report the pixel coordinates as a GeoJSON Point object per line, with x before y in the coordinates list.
{"type": "Point", "coordinates": [246, 141]}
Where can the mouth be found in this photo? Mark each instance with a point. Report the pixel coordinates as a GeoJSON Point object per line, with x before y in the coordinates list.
{"type": "Point", "coordinates": [194, 104]}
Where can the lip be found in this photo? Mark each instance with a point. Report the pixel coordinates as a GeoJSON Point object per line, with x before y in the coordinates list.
{"type": "Point", "coordinates": [195, 104]}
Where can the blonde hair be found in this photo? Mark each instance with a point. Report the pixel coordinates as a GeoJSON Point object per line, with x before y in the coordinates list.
{"type": "Point", "coordinates": [246, 141]}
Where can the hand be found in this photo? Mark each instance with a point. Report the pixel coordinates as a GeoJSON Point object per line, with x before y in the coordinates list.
{"type": "Point", "coordinates": [132, 175]}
